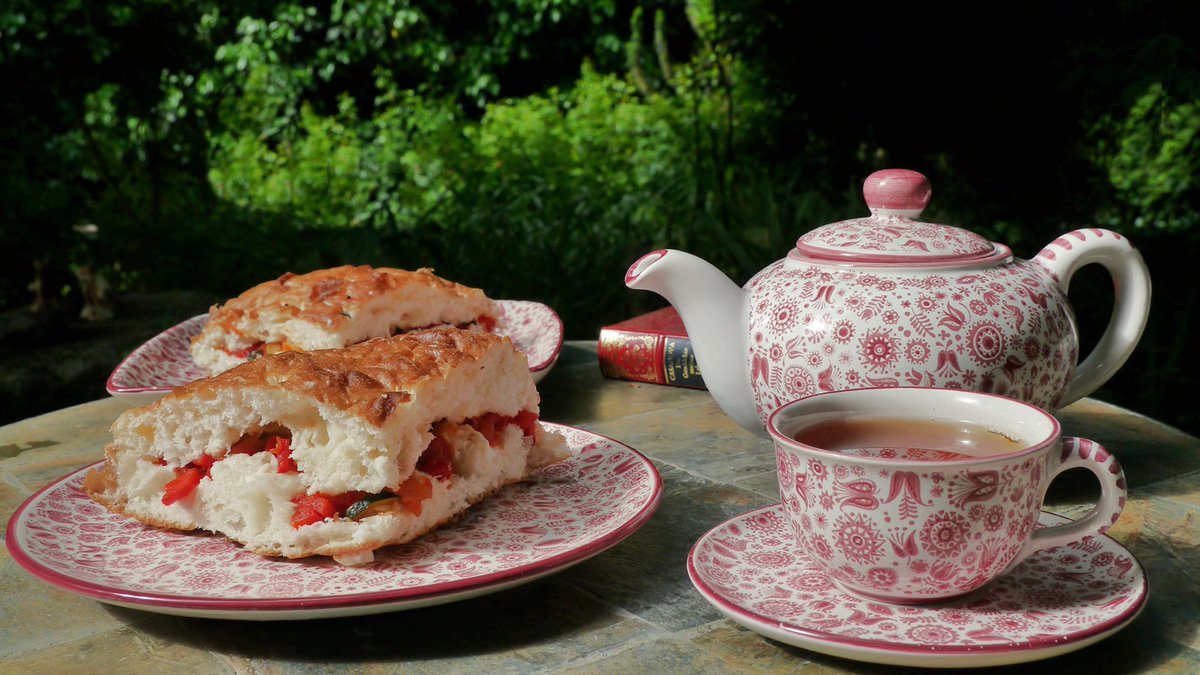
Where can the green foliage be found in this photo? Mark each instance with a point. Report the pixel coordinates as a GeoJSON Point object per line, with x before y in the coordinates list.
{"type": "Point", "coordinates": [536, 147]}
{"type": "Point", "coordinates": [1152, 159]}
{"type": "Point", "coordinates": [1149, 154]}
{"type": "Point", "coordinates": [338, 170]}
{"type": "Point", "coordinates": [566, 189]}
{"type": "Point", "coordinates": [459, 49]}
{"type": "Point", "coordinates": [578, 179]}
{"type": "Point", "coordinates": [171, 123]}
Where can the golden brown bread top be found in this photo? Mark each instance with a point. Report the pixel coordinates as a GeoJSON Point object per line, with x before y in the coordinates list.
{"type": "Point", "coordinates": [327, 296]}
{"type": "Point", "coordinates": [369, 379]}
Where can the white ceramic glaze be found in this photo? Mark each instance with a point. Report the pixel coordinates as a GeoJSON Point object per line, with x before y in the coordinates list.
{"type": "Point", "coordinates": [165, 361]}
{"type": "Point", "coordinates": [895, 525]}
{"type": "Point", "coordinates": [888, 300]}
{"type": "Point", "coordinates": [562, 515]}
{"type": "Point", "coordinates": [1056, 601]}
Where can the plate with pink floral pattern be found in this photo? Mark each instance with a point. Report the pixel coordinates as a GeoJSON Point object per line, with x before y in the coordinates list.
{"type": "Point", "coordinates": [165, 361]}
{"type": "Point", "coordinates": [1054, 602]}
{"type": "Point", "coordinates": [562, 515]}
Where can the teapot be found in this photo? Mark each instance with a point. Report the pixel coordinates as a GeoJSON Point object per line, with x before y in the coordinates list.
{"type": "Point", "coordinates": [889, 300]}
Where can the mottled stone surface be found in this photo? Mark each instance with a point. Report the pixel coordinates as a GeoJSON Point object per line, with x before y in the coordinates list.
{"type": "Point", "coordinates": [647, 573]}
{"type": "Point", "coordinates": [631, 609]}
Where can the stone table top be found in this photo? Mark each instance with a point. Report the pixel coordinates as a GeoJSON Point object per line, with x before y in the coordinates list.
{"type": "Point", "coordinates": [631, 608]}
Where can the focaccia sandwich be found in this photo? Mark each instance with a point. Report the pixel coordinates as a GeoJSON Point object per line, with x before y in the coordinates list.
{"type": "Point", "coordinates": [332, 452]}
{"type": "Point", "coordinates": [333, 308]}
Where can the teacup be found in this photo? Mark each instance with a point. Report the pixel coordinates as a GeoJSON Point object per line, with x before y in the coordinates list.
{"type": "Point", "coordinates": [914, 495]}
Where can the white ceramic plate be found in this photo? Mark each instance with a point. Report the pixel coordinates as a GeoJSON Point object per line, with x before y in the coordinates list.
{"type": "Point", "coordinates": [165, 361]}
{"type": "Point", "coordinates": [1054, 602]}
{"type": "Point", "coordinates": [562, 515]}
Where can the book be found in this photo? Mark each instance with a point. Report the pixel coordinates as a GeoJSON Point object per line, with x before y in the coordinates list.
{"type": "Point", "coordinates": [653, 347]}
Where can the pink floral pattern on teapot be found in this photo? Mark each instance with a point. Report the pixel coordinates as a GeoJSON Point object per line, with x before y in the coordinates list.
{"type": "Point", "coordinates": [888, 300]}
{"type": "Point", "coordinates": [814, 328]}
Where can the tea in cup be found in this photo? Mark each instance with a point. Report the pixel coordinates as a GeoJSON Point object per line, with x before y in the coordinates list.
{"type": "Point", "coordinates": [913, 495]}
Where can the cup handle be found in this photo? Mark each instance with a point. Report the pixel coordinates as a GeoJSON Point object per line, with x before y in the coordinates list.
{"type": "Point", "coordinates": [1080, 452]}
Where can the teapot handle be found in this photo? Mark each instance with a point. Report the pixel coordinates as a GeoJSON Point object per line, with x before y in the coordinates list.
{"type": "Point", "coordinates": [1131, 288]}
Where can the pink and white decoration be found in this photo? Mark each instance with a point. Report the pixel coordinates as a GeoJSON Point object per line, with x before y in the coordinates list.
{"type": "Point", "coordinates": [165, 361]}
{"type": "Point", "coordinates": [1056, 601]}
{"type": "Point", "coordinates": [536, 330]}
{"type": "Point", "coordinates": [925, 530]}
{"type": "Point", "coordinates": [887, 300]}
{"type": "Point", "coordinates": [963, 315]}
{"type": "Point", "coordinates": [564, 514]}
{"type": "Point", "coordinates": [161, 364]}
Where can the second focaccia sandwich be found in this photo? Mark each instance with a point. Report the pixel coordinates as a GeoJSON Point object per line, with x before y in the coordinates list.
{"type": "Point", "coordinates": [332, 452]}
{"type": "Point", "coordinates": [334, 308]}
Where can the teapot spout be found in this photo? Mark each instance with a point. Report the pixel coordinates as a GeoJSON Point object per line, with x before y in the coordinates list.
{"type": "Point", "coordinates": [715, 312]}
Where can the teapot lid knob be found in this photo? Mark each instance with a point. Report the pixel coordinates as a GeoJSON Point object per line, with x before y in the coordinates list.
{"type": "Point", "coordinates": [898, 192]}
{"type": "Point", "coordinates": [892, 235]}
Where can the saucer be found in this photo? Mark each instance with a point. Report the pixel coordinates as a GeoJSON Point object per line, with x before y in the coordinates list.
{"type": "Point", "coordinates": [1056, 601]}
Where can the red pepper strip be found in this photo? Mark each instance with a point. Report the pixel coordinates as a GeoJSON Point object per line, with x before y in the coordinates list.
{"type": "Point", "coordinates": [281, 447]}
{"type": "Point", "coordinates": [437, 459]}
{"type": "Point", "coordinates": [527, 420]}
{"type": "Point", "coordinates": [245, 353]}
{"type": "Point", "coordinates": [186, 479]}
{"type": "Point", "coordinates": [413, 492]}
{"type": "Point", "coordinates": [204, 463]}
{"type": "Point", "coordinates": [346, 500]}
{"type": "Point", "coordinates": [185, 482]}
{"type": "Point", "coordinates": [491, 425]}
{"type": "Point", "coordinates": [315, 508]}
{"type": "Point", "coordinates": [311, 509]}
{"type": "Point", "coordinates": [251, 444]}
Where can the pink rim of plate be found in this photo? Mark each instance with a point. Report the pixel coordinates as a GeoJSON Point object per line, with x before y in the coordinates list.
{"type": "Point", "coordinates": [597, 461]}
{"type": "Point", "coordinates": [164, 362]}
{"type": "Point", "coordinates": [898, 653]}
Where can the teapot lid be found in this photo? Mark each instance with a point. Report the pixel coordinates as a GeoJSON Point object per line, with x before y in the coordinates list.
{"type": "Point", "coordinates": [891, 234]}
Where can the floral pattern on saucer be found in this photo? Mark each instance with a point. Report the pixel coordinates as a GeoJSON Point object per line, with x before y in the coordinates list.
{"type": "Point", "coordinates": [1055, 601]}
{"type": "Point", "coordinates": [165, 361]}
{"type": "Point", "coordinates": [563, 514]}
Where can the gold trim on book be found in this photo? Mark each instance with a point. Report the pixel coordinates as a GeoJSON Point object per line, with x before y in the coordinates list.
{"type": "Point", "coordinates": [620, 347]}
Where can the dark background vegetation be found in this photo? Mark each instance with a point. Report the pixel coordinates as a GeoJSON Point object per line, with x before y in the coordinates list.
{"type": "Point", "coordinates": [535, 148]}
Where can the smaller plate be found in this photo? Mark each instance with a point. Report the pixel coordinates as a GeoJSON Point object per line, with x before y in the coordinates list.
{"type": "Point", "coordinates": [1056, 601]}
{"type": "Point", "coordinates": [562, 515]}
{"type": "Point", "coordinates": [165, 360]}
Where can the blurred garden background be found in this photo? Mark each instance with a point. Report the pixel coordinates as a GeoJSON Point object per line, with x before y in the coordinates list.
{"type": "Point", "coordinates": [535, 148]}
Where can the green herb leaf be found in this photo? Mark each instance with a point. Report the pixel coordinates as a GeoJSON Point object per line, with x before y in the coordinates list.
{"type": "Point", "coordinates": [361, 505]}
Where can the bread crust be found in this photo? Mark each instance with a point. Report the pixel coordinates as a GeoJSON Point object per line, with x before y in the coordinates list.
{"type": "Point", "coordinates": [335, 307]}
{"type": "Point", "coordinates": [327, 296]}
{"type": "Point", "coordinates": [369, 379]}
